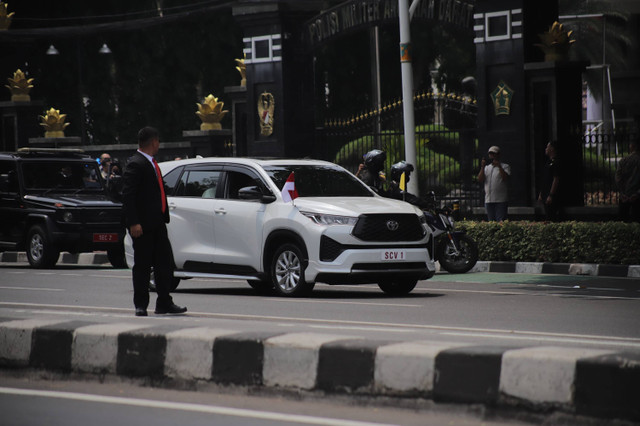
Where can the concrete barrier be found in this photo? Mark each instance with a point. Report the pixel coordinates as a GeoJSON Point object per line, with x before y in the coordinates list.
{"type": "Point", "coordinates": [583, 381]}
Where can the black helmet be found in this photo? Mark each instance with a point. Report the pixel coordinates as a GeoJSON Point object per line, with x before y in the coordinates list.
{"type": "Point", "coordinates": [374, 160]}
{"type": "Point", "coordinates": [399, 168]}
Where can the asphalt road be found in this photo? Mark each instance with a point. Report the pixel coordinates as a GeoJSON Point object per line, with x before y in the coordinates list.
{"type": "Point", "coordinates": [31, 401]}
{"type": "Point", "coordinates": [483, 308]}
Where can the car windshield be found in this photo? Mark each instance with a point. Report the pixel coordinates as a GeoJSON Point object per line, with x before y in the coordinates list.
{"type": "Point", "coordinates": [64, 176]}
{"type": "Point", "coordinates": [319, 181]}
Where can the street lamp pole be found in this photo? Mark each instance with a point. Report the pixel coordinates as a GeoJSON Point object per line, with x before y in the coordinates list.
{"type": "Point", "coordinates": [407, 92]}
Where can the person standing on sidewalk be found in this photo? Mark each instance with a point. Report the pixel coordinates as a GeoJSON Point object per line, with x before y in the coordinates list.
{"type": "Point", "coordinates": [628, 181]}
{"type": "Point", "coordinates": [146, 214]}
{"type": "Point", "coordinates": [550, 194]}
{"type": "Point", "coordinates": [495, 176]}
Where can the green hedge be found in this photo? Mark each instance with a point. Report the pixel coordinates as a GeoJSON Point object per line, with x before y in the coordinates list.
{"type": "Point", "coordinates": [564, 242]}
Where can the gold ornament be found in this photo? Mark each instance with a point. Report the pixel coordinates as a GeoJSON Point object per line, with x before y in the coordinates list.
{"type": "Point", "coordinates": [19, 86]}
{"type": "Point", "coordinates": [555, 42]}
{"type": "Point", "coordinates": [210, 112]}
{"type": "Point", "coordinates": [53, 123]}
{"type": "Point", "coordinates": [5, 17]}
{"type": "Point", "coordinates": [266, 108]}
{"type": "Point", "coordinates": [242, 69]}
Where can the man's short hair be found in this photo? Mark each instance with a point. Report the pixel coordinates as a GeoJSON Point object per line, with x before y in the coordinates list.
{"type": "Point", "coordinates": [146, 135]}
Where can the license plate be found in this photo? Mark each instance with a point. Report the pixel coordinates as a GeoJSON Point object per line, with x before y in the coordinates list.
{"type": "Point", "coordinates": [393, 255]}
{"type": "Point", "coordinates": [105, 238]}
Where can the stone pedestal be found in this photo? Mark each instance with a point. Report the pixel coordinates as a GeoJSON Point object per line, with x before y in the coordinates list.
{"type": "Point", "coordinates": [64, 142]}
{"type": "Point", "coordinates": [210, 143]}
{"type": "Point", "coordinates": [19, 122]}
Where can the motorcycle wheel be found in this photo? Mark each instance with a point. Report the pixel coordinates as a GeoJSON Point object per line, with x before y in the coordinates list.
{"type": "Point", "coordinates": [464, 261]}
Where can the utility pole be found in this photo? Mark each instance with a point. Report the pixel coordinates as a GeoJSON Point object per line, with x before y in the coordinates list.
{"type": "Point", "coordinates": [407, 93]}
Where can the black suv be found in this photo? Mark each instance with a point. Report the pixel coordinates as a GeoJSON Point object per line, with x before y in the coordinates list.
{"type": "Point", "coordinates": [54, 200]}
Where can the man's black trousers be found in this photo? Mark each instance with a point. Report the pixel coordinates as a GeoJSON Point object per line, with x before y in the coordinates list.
{"type": "Point", "coordinates": [152, 249]}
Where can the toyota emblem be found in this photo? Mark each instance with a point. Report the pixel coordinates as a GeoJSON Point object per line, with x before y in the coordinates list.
{"type": "Point", "coordinates": [392, 225]}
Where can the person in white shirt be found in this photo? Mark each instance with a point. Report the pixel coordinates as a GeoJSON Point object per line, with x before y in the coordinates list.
{"type": "Point", "coordinates": [495, 176]}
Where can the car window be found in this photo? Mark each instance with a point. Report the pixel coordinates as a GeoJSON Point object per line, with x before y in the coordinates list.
{"type": "Point", "coordinates": [61, 175]}
{"type": "Point", "coordinates": [8, 177]}
{"type": "Point", "coordinates": [198, 183]}
{"type": "Point", "coordinates": [237, 180]}
{"type": "Point", "coordinates": [171, 180]}
{"type": "Point", "coordinates": [319, 181]}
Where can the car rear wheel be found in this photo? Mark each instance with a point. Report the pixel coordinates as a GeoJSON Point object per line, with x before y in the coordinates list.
{"type": "Point", "coordinates": [261, 286]}
{"type": "Point", "coordinates": [116, 256]}
{"type": "Point", "coordinates": [287, 271]}
{"type": "Point", "coordinates": [41, 252]}
{"type": "Point", "coordinates": [397, 288]}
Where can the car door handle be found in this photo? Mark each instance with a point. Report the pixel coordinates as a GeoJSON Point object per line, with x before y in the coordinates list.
{"type": "Point", "coordinates": [172, 206]}
{"type": "Point", "coordinates": [220, 211]}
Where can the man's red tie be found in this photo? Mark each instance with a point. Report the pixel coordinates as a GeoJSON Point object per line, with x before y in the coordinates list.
{"type": "Point", "coordinates": [159, 174]}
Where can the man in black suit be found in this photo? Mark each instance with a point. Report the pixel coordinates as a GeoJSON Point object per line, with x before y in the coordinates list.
{"type": "Point", "coordinates": [146, 214]}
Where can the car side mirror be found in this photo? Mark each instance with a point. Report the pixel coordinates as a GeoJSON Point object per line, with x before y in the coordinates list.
{"type": "Point", "coordinates": [255, 193]}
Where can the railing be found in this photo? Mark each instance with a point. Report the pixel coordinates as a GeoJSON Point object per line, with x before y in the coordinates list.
{"type": "Point", "coordinates": [445, 139]}
{"type": "Point", "coordinates": [447, 148]}
{"type": "Point", "coordinates": [601, 155]}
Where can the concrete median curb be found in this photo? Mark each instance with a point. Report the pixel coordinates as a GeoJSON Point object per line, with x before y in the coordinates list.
{"type": "Point", "coordinates": [600, 270]}
{"type": "Point", "coordinates": [600, 383]}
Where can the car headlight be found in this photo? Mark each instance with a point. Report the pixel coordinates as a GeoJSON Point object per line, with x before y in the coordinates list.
{"type": "Point", "coordinates": [425, 224]}
{"type": "Point", "coordinates": [67, 217]}
{"type": "Point", "coordinates": [329, 219]}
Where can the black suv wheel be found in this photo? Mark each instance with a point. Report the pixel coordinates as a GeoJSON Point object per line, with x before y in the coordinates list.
{"type": "Point", "coordinates": [41, 252]}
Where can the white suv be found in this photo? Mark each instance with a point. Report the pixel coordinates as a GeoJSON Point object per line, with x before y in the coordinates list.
{"type": "Point", "coordinates": [229, 220]}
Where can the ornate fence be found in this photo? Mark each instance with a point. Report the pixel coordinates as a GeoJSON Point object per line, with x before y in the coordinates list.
{"type": "Point", "coordinates": [445, 139]}
{"type": "Point", "coordinates": [601, 154]}
{"type": "Point", "coordinates": [447, 148]}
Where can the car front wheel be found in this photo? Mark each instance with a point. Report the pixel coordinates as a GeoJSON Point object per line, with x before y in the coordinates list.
{"type": "Point", "coordinates": [41, 252]}
{"type": "Point", "coordinates": [287, 271]}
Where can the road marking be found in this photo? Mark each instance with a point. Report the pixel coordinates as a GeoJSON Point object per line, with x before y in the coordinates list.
{"type": "Point", "coordinates": [538, 338]}
{"type": "Point", "coordinates": [343, 303]}
{"type": "Point", "coordinates": [524, 293]}
{"type": "Point", "coordinates": [388, 330]}
{"type": "Point", "coordinates": [32, 288]}
{"type": "Point", "coordinates": [342, 323]}
{"type": "Point", "coordinates": [209, 409]}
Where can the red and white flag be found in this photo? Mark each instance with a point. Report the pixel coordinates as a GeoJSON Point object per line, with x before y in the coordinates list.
{"type": "Point", "coordinates": [289, 192]}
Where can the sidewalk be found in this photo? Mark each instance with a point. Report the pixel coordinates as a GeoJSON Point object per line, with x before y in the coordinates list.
{"type": "Point", "coordinates": [590, 382]}
{"type": "Point", "coordinates": [629, 271]}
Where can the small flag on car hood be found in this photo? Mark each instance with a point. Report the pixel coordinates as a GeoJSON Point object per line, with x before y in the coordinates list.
{"type": "Point", "coordinates": [289, 192]}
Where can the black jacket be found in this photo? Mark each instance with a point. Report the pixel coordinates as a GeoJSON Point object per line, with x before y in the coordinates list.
{"type": "Point", "coordinates": [141, 197]}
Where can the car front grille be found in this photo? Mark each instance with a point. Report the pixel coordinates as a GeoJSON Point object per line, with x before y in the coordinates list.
{"type": "Point", "coordinates": [382, 227]}
{"type": "Point", "coordinates": [102, 216]}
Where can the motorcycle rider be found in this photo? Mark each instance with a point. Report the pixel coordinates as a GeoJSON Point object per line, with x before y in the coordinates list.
{"type": "Point", "coordinates": [396, 192]}
{"type": "Point", "coordinates": [370, 170]}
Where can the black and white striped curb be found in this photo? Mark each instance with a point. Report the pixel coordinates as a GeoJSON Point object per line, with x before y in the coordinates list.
{"type": "Point", "coordinates": [599, 270]}
{"type": "Point", "coordinates": [65, 258]}
{"type": "Point", "coordinates": [630, 271]}
{"type": "Point", "coordinates": [601, 383]}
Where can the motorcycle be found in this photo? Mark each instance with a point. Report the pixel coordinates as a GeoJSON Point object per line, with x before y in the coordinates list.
{"type": "Point", "coordinates": [456, 251]}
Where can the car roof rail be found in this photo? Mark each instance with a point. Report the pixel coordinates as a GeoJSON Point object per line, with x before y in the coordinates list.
{"type": "Point", "coordinates": [48, 152]}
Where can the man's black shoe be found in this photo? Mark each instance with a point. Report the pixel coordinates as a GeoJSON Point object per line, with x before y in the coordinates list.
{"type": "Point", "coordinates": [171, 309]}
{"type": "Point", "coordinates": [140, 312]}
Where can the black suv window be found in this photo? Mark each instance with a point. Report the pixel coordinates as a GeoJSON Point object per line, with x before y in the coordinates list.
{"type": "Point", "coordinates": [198, 183]}
{"type": "Point", "coordinates": [8, 177]}
{"type": "Point", "coordinates": [60, 175]}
